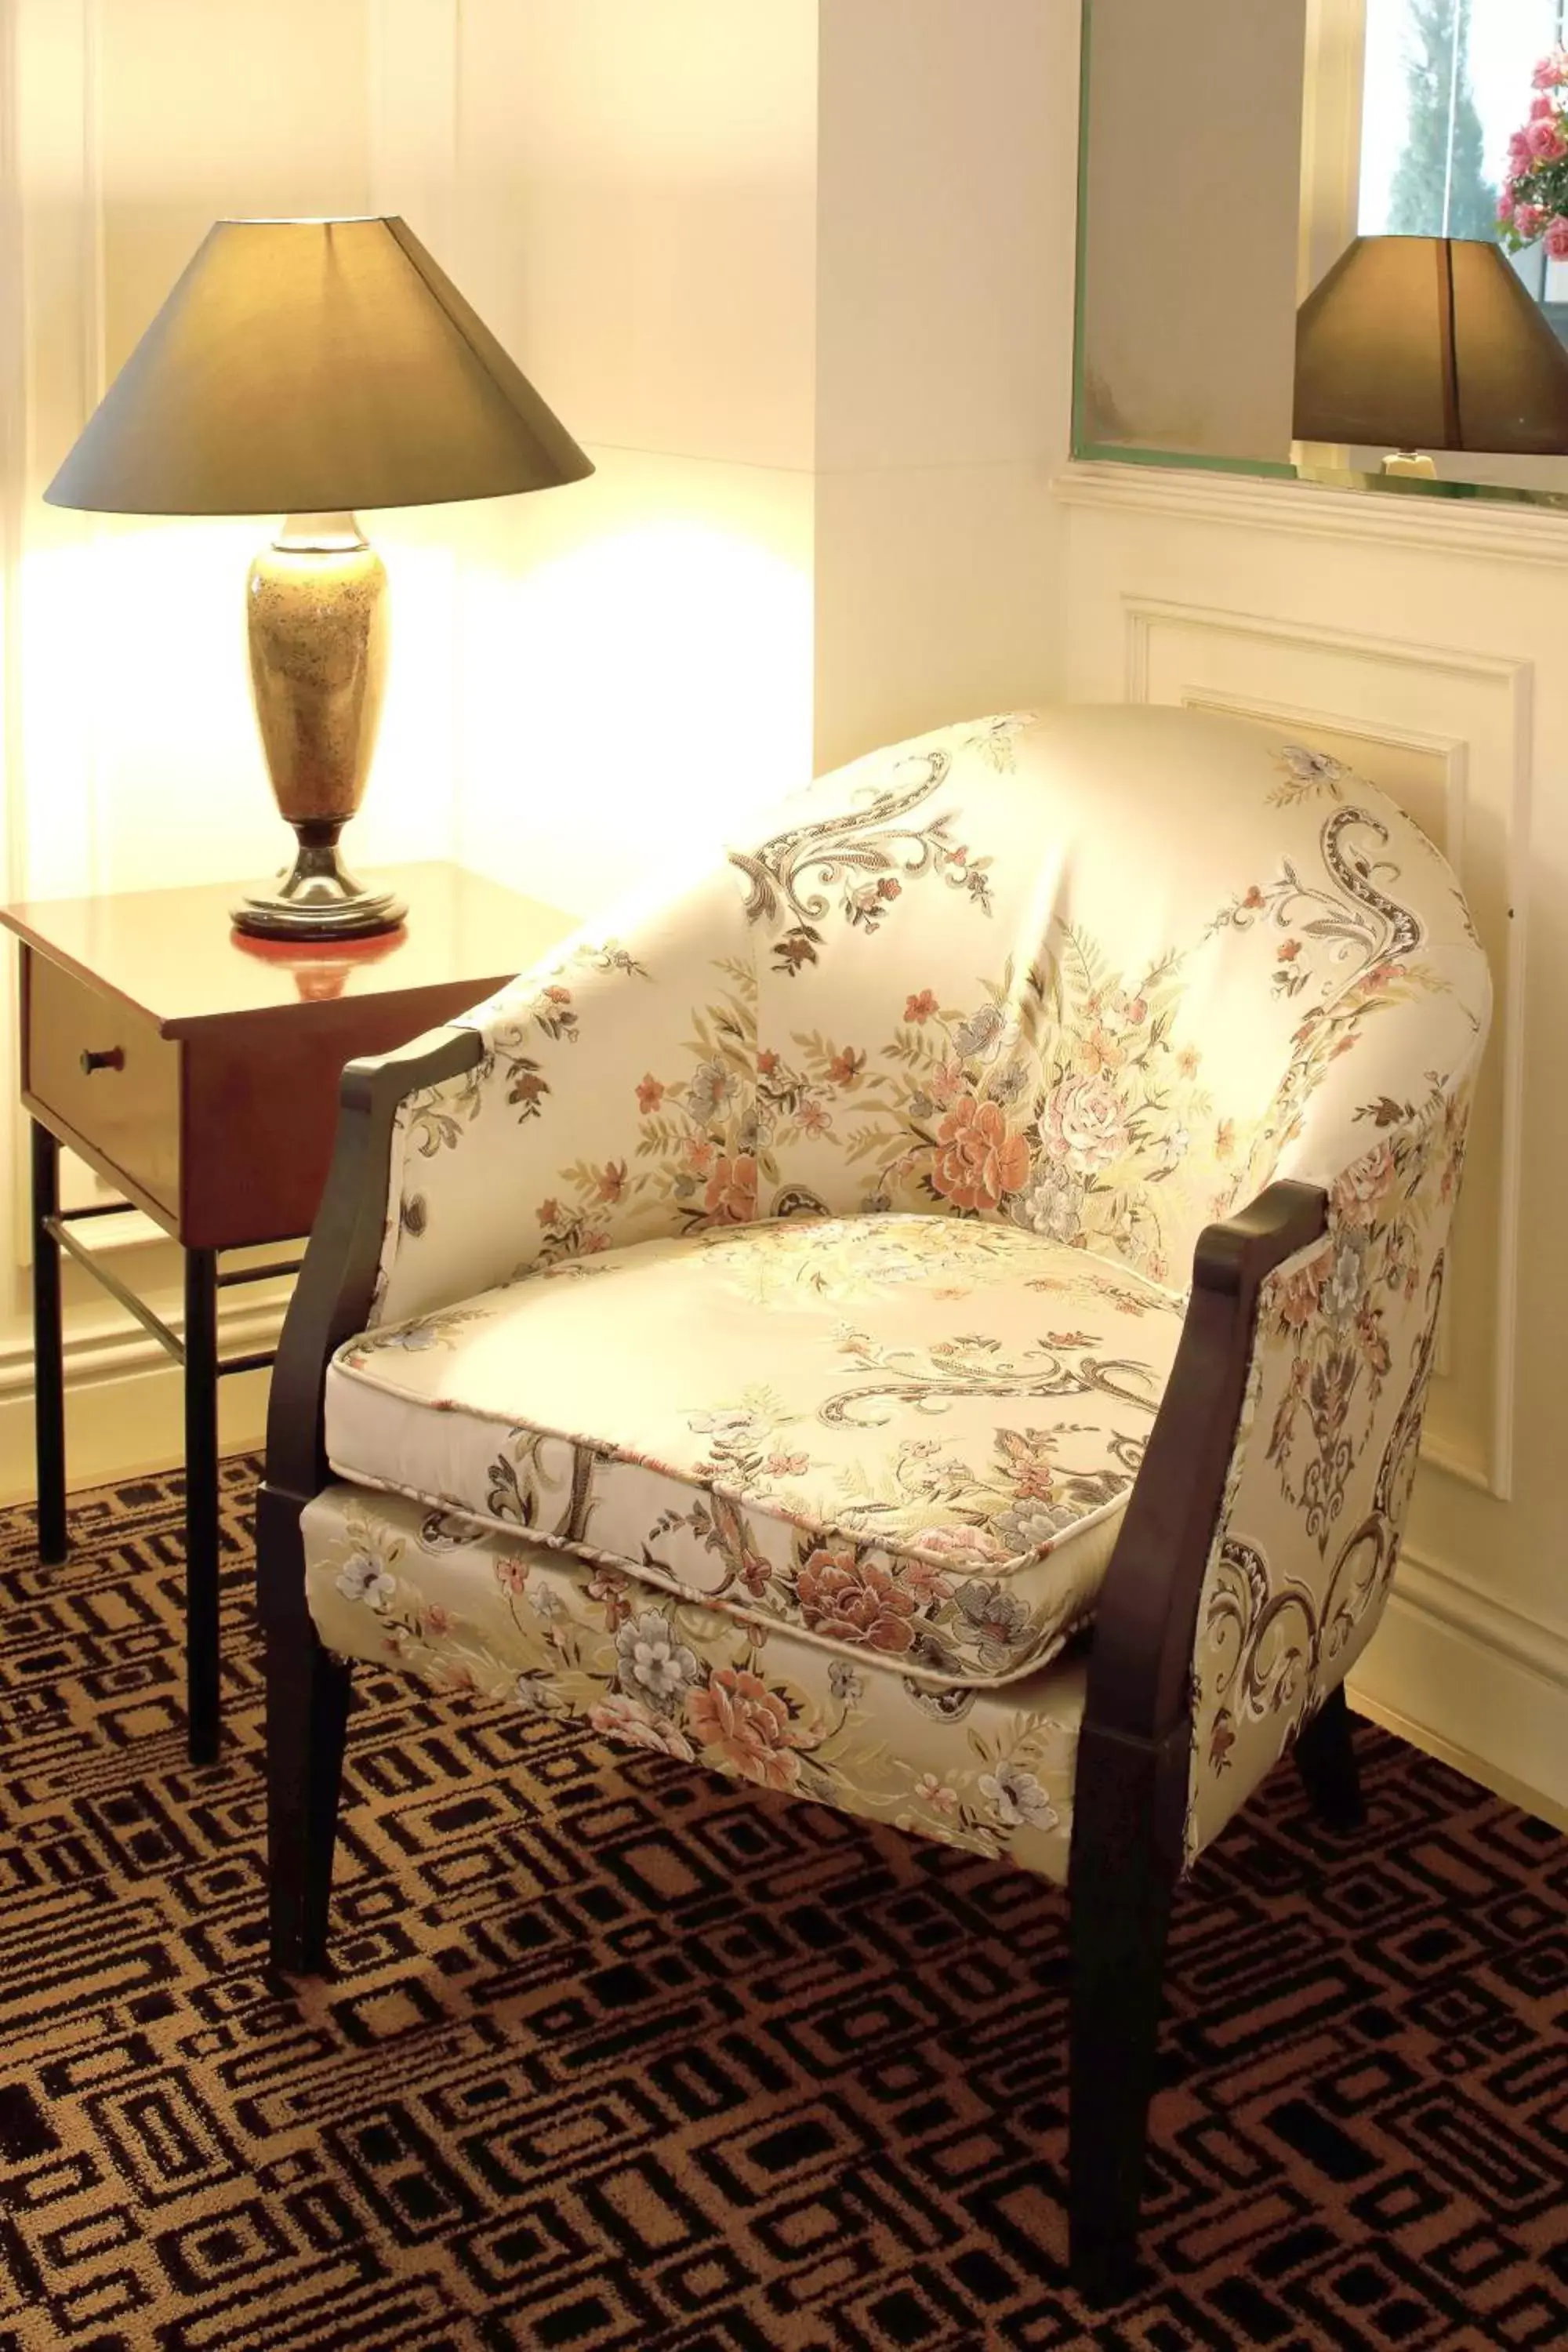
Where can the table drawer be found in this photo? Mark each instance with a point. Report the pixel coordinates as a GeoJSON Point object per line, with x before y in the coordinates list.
{"type": "Point", "coordinates": [105, 1071]}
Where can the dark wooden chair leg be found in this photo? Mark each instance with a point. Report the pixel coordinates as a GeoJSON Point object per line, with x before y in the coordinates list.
{"type": "Point", "coordinates": [307, 1694]}
{"type": "Point", "coordinates": [203, 1670]}
{"type": "Point", "coordinates": [1122, 1891]}
{"type": "Point", "coordinates": [1325, 1758]}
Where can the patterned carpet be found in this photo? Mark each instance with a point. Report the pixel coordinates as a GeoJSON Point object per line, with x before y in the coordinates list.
{"type": "Point", "coordinates": [618, 2056]}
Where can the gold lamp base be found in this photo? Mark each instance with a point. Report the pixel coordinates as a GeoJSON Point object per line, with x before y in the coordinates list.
{"type": "Point", "coordinates": [316, 604]}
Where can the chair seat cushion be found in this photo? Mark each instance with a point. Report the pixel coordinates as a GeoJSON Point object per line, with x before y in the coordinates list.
{"type": "Point", "coordinates": [911, 1437]}
{"type": "Point", "coordinates": [505, 1618]}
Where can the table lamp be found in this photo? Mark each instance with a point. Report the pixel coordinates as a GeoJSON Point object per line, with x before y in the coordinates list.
{"type": "Point", "coordinates": [307, 369]}
{"type": "Point", "coordinates": [1429, 342]}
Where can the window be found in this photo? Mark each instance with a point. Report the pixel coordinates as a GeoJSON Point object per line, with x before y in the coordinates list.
{"type": "Point", "coordinates": [1447, 82]}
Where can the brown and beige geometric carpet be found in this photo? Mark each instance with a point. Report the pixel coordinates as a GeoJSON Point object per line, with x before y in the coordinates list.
{"type": "Point", "coordinates": [618, 2055]}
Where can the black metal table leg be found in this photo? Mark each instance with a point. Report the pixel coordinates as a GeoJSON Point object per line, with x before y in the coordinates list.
{"type": "Point", "coordinates": [200, 1503]}
{"type": "Point", "coordinates": [48, 1349]}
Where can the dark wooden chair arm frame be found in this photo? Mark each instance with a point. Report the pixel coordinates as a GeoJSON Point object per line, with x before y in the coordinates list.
{"type": "Point", "coordinates": [337, 1281]}
{"type": "Point", "coordinates": [1135, 1753]}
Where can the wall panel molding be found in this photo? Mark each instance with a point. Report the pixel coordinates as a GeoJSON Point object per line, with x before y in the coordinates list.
{"type": "Point", "coordinates": [1464, 531]}
{"type": "Point", "coordinates": [1294, 673]}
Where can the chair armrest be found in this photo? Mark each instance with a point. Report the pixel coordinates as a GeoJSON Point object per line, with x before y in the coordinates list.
{"type": "Point", "coordinates": [1324, 1455]}
{"type": "Point", "coordinates": [534, 1127]}
{"type": "Point", "coordinates": [1140, 1674]}
{"type": "Point", "coordinates": [331, 1299]}
{"type": "Point", "coordinates": [1262, 1532]}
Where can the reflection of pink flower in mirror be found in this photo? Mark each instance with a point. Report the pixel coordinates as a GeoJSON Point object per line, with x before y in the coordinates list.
{"type": "Point", "coordinates": [1557, 238]}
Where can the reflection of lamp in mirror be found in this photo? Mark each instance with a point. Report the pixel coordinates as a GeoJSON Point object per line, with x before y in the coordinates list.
{"type": "Point", "coordinates": [1415, 343]}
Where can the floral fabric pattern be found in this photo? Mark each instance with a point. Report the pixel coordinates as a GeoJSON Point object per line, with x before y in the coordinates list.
{"type": "Point", "coordinates": [942, 986]}
{"type": "Point", "coordinates": [501, 1616]}
{"type": "Point", "coordinates": [566, 1140]}
{"type": "Point", "coordinates": [1082, 983]}
{"type": "Point", "coordinates": [1319, 1479]}
{"type": "Point", "coordinates": [913, 1436]}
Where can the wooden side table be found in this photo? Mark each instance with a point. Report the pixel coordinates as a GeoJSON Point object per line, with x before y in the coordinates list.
{"type": "Point", "coordinates": [197, 1071]}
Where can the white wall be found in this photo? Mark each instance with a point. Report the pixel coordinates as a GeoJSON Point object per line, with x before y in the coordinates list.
{"type": "Point", "coordinates": [791, 270]}
{"type": "Point", "coordinates": [130, 756]}
{"type": "Point", "coordinates": [628, 195]}
{"type": "Point", "coordinates": [140, 121]}
{"type": "Point", "coordinates": [945, 177]}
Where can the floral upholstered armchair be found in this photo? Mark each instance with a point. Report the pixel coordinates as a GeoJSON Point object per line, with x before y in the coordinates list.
{"type": "Point", "coordinates": [932, 1318]}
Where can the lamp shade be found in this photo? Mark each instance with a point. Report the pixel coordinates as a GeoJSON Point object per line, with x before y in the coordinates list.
{"type": "Point", "coordinates": [1430, 342]}
{"type": "Point", "coordinates": [303, 367]}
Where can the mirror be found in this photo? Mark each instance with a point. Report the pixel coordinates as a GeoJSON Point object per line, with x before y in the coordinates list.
{"type": "Point", "coordinates": [1284, 130]}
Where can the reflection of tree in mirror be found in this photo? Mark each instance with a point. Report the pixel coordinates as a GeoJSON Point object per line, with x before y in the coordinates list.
{"type": "Point", "coordinates": [1440, 187]}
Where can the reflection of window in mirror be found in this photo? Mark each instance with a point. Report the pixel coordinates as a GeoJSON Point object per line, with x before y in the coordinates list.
{"type": "Point", "coordinates": [1447, 84]}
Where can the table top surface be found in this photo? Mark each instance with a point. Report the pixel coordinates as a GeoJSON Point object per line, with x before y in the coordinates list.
{"type": "Point", "coordinates": [175, 955]}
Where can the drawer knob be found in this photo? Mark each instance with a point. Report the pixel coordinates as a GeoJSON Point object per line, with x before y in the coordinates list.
{"type": "Point", "coordinates": [113, 1060]}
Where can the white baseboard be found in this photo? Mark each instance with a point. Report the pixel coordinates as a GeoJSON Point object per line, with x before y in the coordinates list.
{"type": "Point", "coordinates": [124, 1398]}
{"type": "Point", "coordinates": [1475, 1684]}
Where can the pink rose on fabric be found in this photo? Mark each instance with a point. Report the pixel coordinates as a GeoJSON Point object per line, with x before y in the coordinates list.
{"type": "Point", "coordinates": [1547, 143]}
{"type": "Point", "coordinates": [1363, 1188]}
{"type": "Point", "coordinates": [933, 1791]}
{"type": "Point", "coordinates": [626, 1718]}
{"type": "Point", "coordinates": [732, 1195]}
{"type": "Point", "coordinates": [750, 1727]}
{"type": "Point", "coordinates": [968, 1546]}
{"type": "Point", "coordinates": [977, 1161]}
{"type": "Point", "coordinates": [1299, 1298]}
{"type": "Point", "coordinates": [1557, 238]}
{"type": "Point", "coordinates": [1086, 1123]}
{"type": "Point", "coordinates": [1530, 220]}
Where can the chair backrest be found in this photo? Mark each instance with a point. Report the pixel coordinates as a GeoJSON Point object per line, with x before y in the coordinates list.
{"type": "Point", "coordinates": [1082, 970]}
